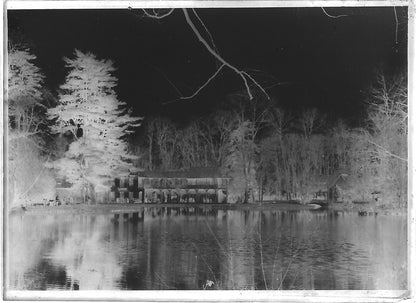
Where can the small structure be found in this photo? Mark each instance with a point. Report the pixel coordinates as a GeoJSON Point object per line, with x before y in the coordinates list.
{"type": "Point", "coordinates": [338, 187]}
{"type": "Point", "coordinates": [321, 195]}
{"type": "Point", "coordinates": [201, 185]}
{"type": "Point", "coordinates": [65, 193]}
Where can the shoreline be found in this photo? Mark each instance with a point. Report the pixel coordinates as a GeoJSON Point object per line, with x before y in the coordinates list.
{"type": "Point", "coordinates": [367, 209]}
{"type": "Point", "coordinates": [125, 208]}
{"type": "Point", "coordinates": [363, 210]}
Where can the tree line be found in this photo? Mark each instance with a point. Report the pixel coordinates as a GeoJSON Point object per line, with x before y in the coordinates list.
{"type": "Point", "coordinates": [273, 153]}
{"type": "Point", "coordinates": [81, 135]}
{"type": "Point", "coordinates": [77, 139]}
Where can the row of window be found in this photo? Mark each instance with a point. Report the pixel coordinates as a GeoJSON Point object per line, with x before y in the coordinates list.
{"type": "Point", "coordinates": [170, 182]}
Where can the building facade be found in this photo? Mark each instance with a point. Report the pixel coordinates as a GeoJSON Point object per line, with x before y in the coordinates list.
{"type": "Point", "coordinates": [192, 186]}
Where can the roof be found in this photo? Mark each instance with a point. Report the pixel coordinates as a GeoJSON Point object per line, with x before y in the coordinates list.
{"type": "Point", "coordinates": [340, 178]}
{"type": "Point", "coordinates": [62, 183]}
{"type": "Point", "coordinates": [201, 172]}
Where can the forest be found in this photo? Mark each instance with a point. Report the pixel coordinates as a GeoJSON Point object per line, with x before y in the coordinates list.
{"type": "Point", "coordinates": [83, 134]}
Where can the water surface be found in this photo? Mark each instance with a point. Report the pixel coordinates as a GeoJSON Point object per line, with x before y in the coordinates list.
{"type": "Point", "coordinates": [177, 248]}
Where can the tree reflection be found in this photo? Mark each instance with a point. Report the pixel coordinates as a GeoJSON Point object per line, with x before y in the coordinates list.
{"type": "Point", "coordinates": [178, 248]}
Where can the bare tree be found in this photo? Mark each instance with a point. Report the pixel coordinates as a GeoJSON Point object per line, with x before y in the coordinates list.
{"type": "Point", "coordinates": [216, 131]}
{"type": "Point", "coordinates": [166, 139]}
{"type": "Point", "coordinates": [311, 121]}
{"type": "Point", "coordinates": [193, 151]}
{"type": "Point", "coordinates": [387, 136]}
{"type": "Point", "coordinates": [279, 120]}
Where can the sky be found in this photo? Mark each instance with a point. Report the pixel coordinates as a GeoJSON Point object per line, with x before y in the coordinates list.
{"type": "Point", "coordinates": [301, 56]}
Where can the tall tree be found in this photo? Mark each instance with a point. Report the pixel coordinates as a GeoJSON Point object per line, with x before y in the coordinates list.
{"type": "Point", "coordinates": [28, 179]}
{"type": "Point", "coordinates": [387, 137]}
{"type": "Point", "coordinates": [241, 162]}
{"type": "Point", "coordinates": [89, 109]}
{"type": "Point", "coordinates": [216, 130]}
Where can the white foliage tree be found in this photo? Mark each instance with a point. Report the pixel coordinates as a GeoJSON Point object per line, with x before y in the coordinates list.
{"type": "Point", "coordinates": [24, 93]}
{"type": "Point", "coordinates": [89, 109]}
{"type": "Point", "coordinates": [28, 180]}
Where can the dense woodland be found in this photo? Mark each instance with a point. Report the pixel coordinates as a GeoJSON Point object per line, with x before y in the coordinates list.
{"type": "Point", "coordinates": [86, 136]}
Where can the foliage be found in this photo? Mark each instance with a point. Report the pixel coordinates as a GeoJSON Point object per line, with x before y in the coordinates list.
{"type": "Point", "coordinates": [88, 109]}
{"type": "Point", "coordinates": [241, 162]}
{"type": "Point", "coordinates": [386, 138]}
{"type": "Point", "coordinates": [201, 143]}
{"type": "Point", "coordinates": [24, 94]}
{"type": "Point", "coordinates": [272, 152]}
{"type": "Point", "coordinates": [28, 179]}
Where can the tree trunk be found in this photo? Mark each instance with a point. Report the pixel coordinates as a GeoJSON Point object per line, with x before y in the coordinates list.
{"type": "Point", "coordinates": [92, 194]}
{"type": "Point", "coordinates": [150, 153]}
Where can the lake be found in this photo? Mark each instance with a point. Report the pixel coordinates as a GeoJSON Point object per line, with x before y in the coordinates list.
{"type": "Point", "coordinates": [203, 248]}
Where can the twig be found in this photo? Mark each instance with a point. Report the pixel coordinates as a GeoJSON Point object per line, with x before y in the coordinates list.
{"type": "Point", "coordinates": [205, 84]}
{"type": "Point", "coordinates": [156, 16]}
{"type": "Point", "coordinates": [163, 282]}
{"type": "Point", "coordinates": [216, 239]}
{"type": "Point", "coordinates": [206, 29]}
{"type": "Point", "coordinates": [255, 83]}
{"type": "Point", "coordinates": [397, 23]}
{"type": "Point", "coordinates": [386, 151]}
{"type": "Point", "coordinates": [203, 259]}
{"type": "Point", "coordinates": [166, 77]}
{"type": "Point", "coordinates": [288, 266]}
{"type": "Point", "coordinates": [332, 16]}
{"type": "Point", "coordinates": [294, 279]}
{"type": "Point", "coordinates": [275, 259]}
{"type": "Point", "coordinates": [13, 136]}
{"type": "Point", "coordinates": [36, 179]}
{"type": "Point", "coordinates": [278, 84]}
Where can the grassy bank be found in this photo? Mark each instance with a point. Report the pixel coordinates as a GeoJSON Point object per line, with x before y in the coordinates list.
{"type": "Point", "coordinates": [361, 208]}
{"type": "Point", "coordinates": [367, 209]}
{"type": "Point", "coordinates": [115, 208]}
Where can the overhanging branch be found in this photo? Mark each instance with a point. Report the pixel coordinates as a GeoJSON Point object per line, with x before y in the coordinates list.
{"type": "Point", "coordinates": [155, 15]}
{"type": "Point", "coordinates": [241, 73]}
{"type": "Point", "coordinates": [332, 16]}
{"type": "Point", "coordinates": [247, 79]}
{"type": "Point", "coordinates": [201, 87]}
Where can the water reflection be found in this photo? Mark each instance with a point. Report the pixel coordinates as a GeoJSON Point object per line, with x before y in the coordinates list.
{"type": "Point", "coordinates": [179, 248]}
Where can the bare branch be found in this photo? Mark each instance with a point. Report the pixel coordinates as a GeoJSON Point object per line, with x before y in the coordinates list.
{"type": "Point", "coordinates": [278, 84]}
{"type": "Point", "coordinates": [332, 16]}
{"type": "Point", "coordinates": [155, 15]}
{"type": "Point", "coordinates": [21, 135]}
{"type": "Point", "coordinates": [255, 83]}
{"type": "Point", "coordinates": [207, 31]}
{"type": "Point", "coordinates": [386, 151]}
{"type": "Point", "coordinates": [397, 23]}
{"type": "Point", "coordinates": [212, 49]}
{"type": "Point", "coordinates": [205, 84]}
{"type": "Point", "coordinates": [37, 178]}
{"type": "Point", "coordinates": [242, 74]}
{"type": "Point", "coordinates": [166, 77]}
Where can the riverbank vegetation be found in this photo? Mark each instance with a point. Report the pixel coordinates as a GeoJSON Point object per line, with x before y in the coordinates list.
{"type": "Point", "coordinates": [84, 135]}
{"type": "Point", "coordinates": [272, 153]}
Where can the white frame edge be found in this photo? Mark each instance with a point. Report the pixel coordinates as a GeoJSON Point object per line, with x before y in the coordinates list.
{"type": "Point", "coordinates": [224, 296]}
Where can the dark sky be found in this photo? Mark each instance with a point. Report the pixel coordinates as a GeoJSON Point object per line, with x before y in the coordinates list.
{"type": "Point", "coordinates": [322, 61]}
